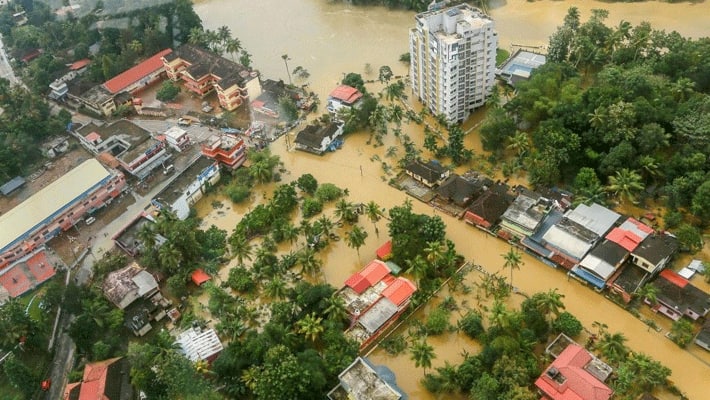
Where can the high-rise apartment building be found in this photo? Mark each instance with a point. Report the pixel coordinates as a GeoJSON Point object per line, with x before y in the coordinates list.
{"type": "Point", "coordinates": [453, 60]}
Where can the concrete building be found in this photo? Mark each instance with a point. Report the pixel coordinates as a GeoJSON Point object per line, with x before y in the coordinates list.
{"type": "Point", "coordinates": [199, 344]}
{"type": "Point", "coordinates": [189, 187]}
{"type": "Point", "coordinates": [519, 66]}
{"type": "Point", "coordinates": [202, 72]}
{"type": "Point", "coordinates": [431, 173]}
{"type": "Point", "coordinates": [108, 379]}
{"type": "Point", "coordinates": [124, 144]}
{"type": "Point", "coordinates": [453, 60]}
{"type": "Point", "coordinates": [317, 138]}
{"type": "Point", "coordinates": [343, 96]}
{"type": "Point", "coordinates": [56, 208]}
{"type": "Point", "coordinates": [177, 138]}
{"type": "Point", "coordinates": [362, 380]}
{"type": "Point", "coordinates": [228, 149]}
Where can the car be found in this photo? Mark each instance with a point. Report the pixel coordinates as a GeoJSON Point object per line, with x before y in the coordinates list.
{"type": "Point", "coordinates": [168, 169]}
{"type": "Point", "coordinates": [184, 122]}
{"type": "Point", "coordinates": [90, 220]}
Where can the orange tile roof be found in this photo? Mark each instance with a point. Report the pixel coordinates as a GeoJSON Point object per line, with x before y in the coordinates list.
{"type": "Point", "coordinates": [673, 278]}
{"type": "Point", "coordinates": [200, 276]}
{"type": "Point", "coordinates": [15, 281]}
{"type": "Point", "coordinates": [93, 385]}
{"type": "Point", "coordinates": [79, 64]}
{"type": "Point", "coordinates": [357, 283]}
{"type": "Point", "coordinates": [92, 137]}
{"type": "Point", "coordinates": [346, 94]}
{"type": "Point", "coordinates": [578, 383]}
{"type": "Point", "coordinates": [375, 271]}
{"type": "Point", "coordinates": [627, 240]}
{"type": "Point", "coordinates": [399, 291]}
{"type": "Point", "coordinates": [385, 250]}
{"type": "Point", "coordinates": [128, 77]}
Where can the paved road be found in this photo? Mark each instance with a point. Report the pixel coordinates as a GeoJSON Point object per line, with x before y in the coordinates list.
{"type": "Point", "coordinates": [63, 359]}
{"type": "Point", "coordinates": [5, 67]}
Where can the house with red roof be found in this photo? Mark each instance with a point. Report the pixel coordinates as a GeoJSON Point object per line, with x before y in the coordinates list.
{"type": "Point", "coordinates": [137, 78]}
{"type": "Point", "coordinates": [575, 374]}
{"type": "Point", "coordinates": [374, 299]}
{"type": "Point", "coordinates": [227, 149]}
{"type": "Point", "coordinates": [343, 96]}
{"type": "Point", "coordinates": [103, 380]}
{"type": "Point", "coordinates": [676, 297]}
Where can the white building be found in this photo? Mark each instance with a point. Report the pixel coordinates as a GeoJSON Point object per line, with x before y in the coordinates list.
{"type": "Point", "coordinates": [177, 138]}
{"type": "Point", "coordinates": [453, 60]}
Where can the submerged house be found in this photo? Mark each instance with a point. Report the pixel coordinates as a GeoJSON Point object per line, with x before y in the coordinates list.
{"type": "Point", "coordinates": [677, 297]}
{"type": "Point", "coordinates": [343, 96]}
{"type": "Point", "coordinates": [430, 174]}
{"type": "Point", "coordinates": [486, 210]}
{"type": "Point", "coordinates": [374, 299]}
{"type": "Point", "coordinates": [460, 191]}
{"type": "Point", "coordinates": [317, 138]}
{"type": "Point", "coordinates": [703, 337]}
{"type": "Point", "coordinates": [105, 380]}
{"type": "Point", "coordinates": [526, 213]}
{"type": "Point", "coordinates": [575, 374]}
{"type": "Point", "coordinates": [362, 380]}
{"type": "Point", "coordinates": [199, 344]}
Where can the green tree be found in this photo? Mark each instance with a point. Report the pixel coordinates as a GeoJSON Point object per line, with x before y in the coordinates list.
{"type": "Point", "coordinates": [513, 260]}
{"type": "Point", "coordinates": [625, 184]}
{"type": "Point", "coordinates": [689, 238]}
{"type": "Point", "coordinates": [648, 292]}
{"type": "Point", "coordinates": [310, 326]}
{"type": "Point", "coordinates": [309, 263]}
{"type": "Point", "coordinates": [374, 213]}
{"type": "Point", "coordinates": [168, 91]}
{"type": "Point", "coordinates": [307, 183]}
{"type": "Point", "coordinates": [241, 248]}
{"type": "Point", "coordinates": [682, 332]}
{"type": "Point", "coordinates": [422, 354]}
{"type": "Point", "coordinates": [640, 374]}
{"type": "Point", "coordinates": [20, 376]}
{"type": "Point", "coordinates": [356, 238]}
{"type": "Point", "coordinates": [568, 324]}
{"type": "Point", "coordinates": [612, 347]}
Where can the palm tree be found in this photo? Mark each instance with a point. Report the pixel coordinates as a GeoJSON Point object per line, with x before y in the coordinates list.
{"type": "Point", "coordinates": [434, 252]}
{"type": "Point", "coordinates": [374, 213]}
{"type": "Point", "coordinates": [310, 326]}
{"type": "Point", "coordinates": [612, 347]}
{"type": "Point", "coordinates": [324, 225]}
{"type": "Point", "coordinates": [97, 309]}
{"type": "Point", "coordinates": [233, 46]}
{"type": "Point", "coordinates": [648, 292]}
{"type": "Point", "coordinates": [169, 257]}
{"type": "Point", "coordinates": [550, 302]}
{"type": "Point", "coordinates": [422, 354]}
{"type": "Point", "coordinates": [290, 232]}
{"type": "Point", "coordinates": [262, 172]}
{"type": "Point", "coordinates": [519, 143]}
{"type": "Point", "coordinates": [224, 33]}
{"type": "Point", "coordinates": [250, 376]}
{"type": "Point", "coordinates": [626, 183]}
{"type": "Point", "coordinates": [241, 248]}
{"type": "Point", "coordinates": [309, 263]}
{"type": "Point", "coordinates": [285, 57]}
{"type": "Point", "coordinates": [418, 267]}
{"type": "Point", "coordinates": [147, 236]}
{"type": "Point", "coordinates": [336, 308]}
{"type": "Point", "coordinates": [500, 316]}
{"type": "Point", "coordinates": [513, 260]}
{"type": "Point", "coordinates": [275, 288]}
{"type": "Point", "coordinates": [356, 238]}
{"type": "Point", "coordinates": [345, 211]}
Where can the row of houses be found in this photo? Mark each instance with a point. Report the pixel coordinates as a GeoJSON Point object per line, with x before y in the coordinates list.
{"type": "Point", "coordinates": [596, 245]}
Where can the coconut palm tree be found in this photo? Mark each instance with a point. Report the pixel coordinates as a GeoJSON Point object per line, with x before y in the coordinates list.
{"type": "Point", "coordinates": [324, 225]}
{"type": "Point", "coordinates": [275, 288]}
{"type": "Point", "coordinates": [422, 354]}
{"type": "Point", "coordinates": [345, 211]}
{"type": "Point", "coordinates": [434, 252]}
{"type": "Point", "coordinates": [418, 267]}
{"type": "Point", "coordinates": [336, 309]}
{"type": "Point", "coordinates": [519, 143]}
{"type": "Point", "coordinates": [169, 257]}
{"type": "Point", "coordinates": [612, 347]}
{"type": "Point", "coordinates": [147, 236]}
{"type": "Point", "coordinates": [550, 302]}
{"type": "Point", "coordinates": [513, 260]}
{"type": "Point", "coordinates": [356, 238]}
{"type": "Point", "coordinates": [648, 292]}
{"type": "Point", "coordinates": [290, 232]}
{"type": "Point", "coordinates": [310, 326]}
{"type": "Point", "coordinates": [309, 263]}
{"type": "Point", "coordinates": [241, 248]}
{"type": "Point", "coordinates": [285, 57]}
{"type": "Point", "coordinates": [97, 309]}
{"type": "Point", "coordinates": [374, 213]}
{"type": "Point", "coordinates": [625, 184]}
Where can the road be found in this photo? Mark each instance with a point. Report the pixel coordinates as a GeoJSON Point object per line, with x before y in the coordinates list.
{"type": "Point", "coordinates": [5, 67]}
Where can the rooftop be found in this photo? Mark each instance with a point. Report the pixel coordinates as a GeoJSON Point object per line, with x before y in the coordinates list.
{"type": "Point", "coordinates": [363, 381]}
{"type": "Point", "coordinates": [629, 278]}
{"type": "Point", "coordinates": [198, 344]}
{"type": "Point", "coordinates": [490, 205]}
{"type": "Point", "coordinates": [570, 237]}
{"type": "Point", "coordinates": [102, 380]}
{"type": "Point", "coordinates": [678, 293]}
{"type": "Point", "coordinates": [125, 285]}
{"type": "Point", "coordinates": [595, 218]}
{"type": "Point", "coordinates": [656, 247]}
{"type": "Point", "coordinates": [12, 185]}
{"type": "Point", "coordinates": [184, 181]}
{"type": "Point", "coordinates": [459, 190]}
{"type": "Point", "coordinates": [431, 170]}
{"type": "Point", "coordinates": [203, 63]}
{"type": "Point", "coordinates": [128, 236]}
{"type": "Point", "coordinates": [312, 135]}
{"type": "Point", "coordinates": [346, 94]}
{"type": "Point", "coordinates": [140, 71]}
{"type": "Point", "coordinates": [25, 274]}
{"type": "Point", "coordinates": [519, 66]}
{"type": "Point", "coordinates": [50, 201]}
{"type": "Point", "coordinates": [527, 210]}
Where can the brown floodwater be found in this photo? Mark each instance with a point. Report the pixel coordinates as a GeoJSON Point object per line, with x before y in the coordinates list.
{"type": "Point", "coordinates": [329, 39]}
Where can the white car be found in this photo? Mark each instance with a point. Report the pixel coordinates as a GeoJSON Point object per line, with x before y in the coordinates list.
{"type": "Point", "coordinates": [90, 220]}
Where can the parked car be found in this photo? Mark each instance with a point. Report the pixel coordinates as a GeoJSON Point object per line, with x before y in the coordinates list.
{"type": "Point", "coordinates": [184, 122]}
{"type": "Point", "coordinates": [90, 220]}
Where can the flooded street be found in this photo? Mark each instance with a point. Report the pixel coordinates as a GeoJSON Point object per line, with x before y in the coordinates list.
{"type": "Point", "coordinates": [329, 39]}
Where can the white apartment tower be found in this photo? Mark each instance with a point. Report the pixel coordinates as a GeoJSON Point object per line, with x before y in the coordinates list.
{"type": "Point", "coordinates": [453, 60]}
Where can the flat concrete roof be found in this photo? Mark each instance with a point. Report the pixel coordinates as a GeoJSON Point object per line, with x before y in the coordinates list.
{"type": "Point", "coordinates": [52, 199]}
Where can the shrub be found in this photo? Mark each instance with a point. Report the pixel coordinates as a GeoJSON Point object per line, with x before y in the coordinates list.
{"type": "Point", "coordinates": [241, 280]}
{"type": "Point", "coordinates": [311, 206]}
{"type": "Point", "coordinates": [568, 324]}
{"type": "Point", "coordinates": [472, 325]}
{"type": "Point", "coordinates": [237, 193]}
{"type": "Point", "coordinates": [438, 321]}
{"type": "Point", "coordinates": [328, 192]}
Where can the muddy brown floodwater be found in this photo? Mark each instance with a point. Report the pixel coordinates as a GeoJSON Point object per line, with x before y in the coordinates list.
{"type": "Point", "coordinates": [332, 38]}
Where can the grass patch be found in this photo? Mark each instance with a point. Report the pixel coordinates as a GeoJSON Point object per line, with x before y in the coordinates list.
{"type": "Point", "coordinates": [501, 56]}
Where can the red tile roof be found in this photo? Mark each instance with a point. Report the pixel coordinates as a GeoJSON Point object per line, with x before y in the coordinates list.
{"type": "Point", "coordinates": [385, 250]}
{"type": "Point", "coordinates": [93, 385]}
{"type": "Point", "coordinates": [357, 283]}
{"type": "Point", "coordinates": [92, 137]}
{"type": "Point", "coordinates": [15, 281]}
{"type": "Point", "coordinates": [375, 271]}
{"type": "Point", "coordinates": [640, 225]}
{"type": "Point", "coordinates": [573, 382]}
{"type": "Point", "coordinates": [40, 268]}
{"type": "Point", "coordinates": [625, 239]}
{"type": "Point", "coordinates": [346, 94]}
{"type": "Point", "coordinates": [673, 278]}
{"type": "Point", "coordinates": [140, 71]}
{"type": "Point", "coordinates": [399, 291]}
{"type": "Point", "coordinates": [79, 64]}
{"type": "Point", "coordinates": [200, 277]}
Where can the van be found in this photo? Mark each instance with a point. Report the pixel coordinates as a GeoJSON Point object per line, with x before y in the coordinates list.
{"type": "Point", "coordinates": [168, 169]}
{"type": "Point", "coordinates": [90, 220]}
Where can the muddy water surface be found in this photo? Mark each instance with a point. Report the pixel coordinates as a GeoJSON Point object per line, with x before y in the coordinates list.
{"type": "Point", "coordinates": [329, 39]}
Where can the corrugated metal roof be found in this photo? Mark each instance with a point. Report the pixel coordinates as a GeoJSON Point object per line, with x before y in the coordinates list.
{"type": "Point", "coordinates": [399, 291]}
{"type": "Point", "coordinates": [596, 218]}
{"type": "Point", "coordinates": [51, 199]}
{"type": "Point", "coordinates": [377, 315]}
